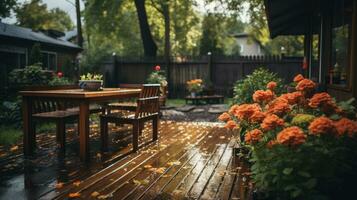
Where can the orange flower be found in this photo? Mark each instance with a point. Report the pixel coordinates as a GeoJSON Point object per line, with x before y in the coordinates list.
{"type": "Point", "coordinates": [224, 117]}
{"type": "Point", "coordinates": [305, 85]}
{"type": "Point", "coordinates": [346, 126]}
{"type": "Point", "coordinates": [325, 102]}
{"type": "Point", "coordinates": [322, 125]}
{"type": "Point", "coordinates": [293, 97]}
{"type": "Point", "coordinates": [253, 136]}
{"type": "Point", "coordinates": [230, 125]}
{"type": "Point", "coordinates": [279, 107]}
{"type": "Point", "coordinates": [272, 121]}
{"type": "Point", "coordinates": [271, 85]}
{"type": "Point", "coordinates": [244, 111]}
{"type": "Point", "coordinates": [291, 136]}
{"type": "Point", "coordinates": [257, 117]}
{"type": "Point", "coordinates": [298, 78]}
{"type": "Point", "coordinates": [263, 96]}
{"type": "Point", "coordinates": [319, 99]}
{"type": "Point", "coordinates": [233, 109]}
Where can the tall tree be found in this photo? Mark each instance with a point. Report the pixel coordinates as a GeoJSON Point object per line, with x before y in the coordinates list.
{"type": "Point", "coordinates": [5, 7]}
{"type": "Point", "coordinates": [35, 15]}
{"type": "Point", "coordinates": [150, 48]}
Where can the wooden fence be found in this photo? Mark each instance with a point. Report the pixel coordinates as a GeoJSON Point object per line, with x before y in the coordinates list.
{"type": "Point", "coordinates": [221, 72]}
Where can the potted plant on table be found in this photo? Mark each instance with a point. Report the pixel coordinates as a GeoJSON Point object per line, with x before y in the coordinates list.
{"type": "Point", "coordinates": [195, 86]}
{"type": "Point", "coordinates": [91, 82]}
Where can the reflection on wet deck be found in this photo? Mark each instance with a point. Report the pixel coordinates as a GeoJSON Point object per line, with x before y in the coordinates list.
{"type": "Point", "coordinates": [190, 160]}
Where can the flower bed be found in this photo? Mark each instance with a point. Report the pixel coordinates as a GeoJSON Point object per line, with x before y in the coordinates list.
{"type": "Point", "coordinates": [301, 144]}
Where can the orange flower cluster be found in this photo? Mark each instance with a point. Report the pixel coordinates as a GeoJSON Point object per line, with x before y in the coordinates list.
{"type": "Point", "coordinates": [291, 136]}
{"type": "Point", "coordinates": [305, 85]}
{"type": "Point", "coordinates": [346, 126]}
{"type": "Point", "coordinates": [271, 143]}
{"type": "Point", "coordinates": [293, 97]}
{"type": "Point", "coordinates": [224, 117]}
{"type": "Point", "coordinates": [271, 85]}
{"type": "Point", "coordinates": [194, 81]}
{"type": "Point", "coordinates": [279, 107]}
{"type": "Point", "coordinates": [322, 125]}
{"type": "Point", "coordinates": [298, 78]}
{"type": "Point", "coordinates": [325, 102]}
{"type": "Point", "coordinates": [262, 96]}
{"type": "Point", "coordinates": [249, 112]}
{"type": "Point", "coordinates": [271, 122]}
{"type": "Point", "coordinates": [253, 136]}
{"type": "Point", "coordinates": [230, 125]}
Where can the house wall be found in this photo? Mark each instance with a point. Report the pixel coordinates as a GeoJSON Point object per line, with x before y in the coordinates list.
{"type": "Point", "coordinates": [249, 47]}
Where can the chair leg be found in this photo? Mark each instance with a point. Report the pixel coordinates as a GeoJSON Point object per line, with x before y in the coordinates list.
{"type": "Point", "coordinates": [60, 133]}
{"type": "Point", "coordinates": [104, 134]}
{"type": "Point", "coordinates": [155, 125]}
{"type": "Point", "coordinates": [135, 136]}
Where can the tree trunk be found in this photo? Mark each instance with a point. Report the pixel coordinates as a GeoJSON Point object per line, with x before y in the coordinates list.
{"type": "Point", "coordinates": [149, 44]}
{"type": "Point", "coordinates": [79, 25]}
{"type": "Point", "coordinates": [166, 13]}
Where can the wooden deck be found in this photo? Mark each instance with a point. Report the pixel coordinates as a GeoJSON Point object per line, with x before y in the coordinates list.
{"type": "Point", "coordinates": [190, 161]}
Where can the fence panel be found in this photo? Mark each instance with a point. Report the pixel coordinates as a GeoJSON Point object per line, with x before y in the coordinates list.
{"type": "Point", "coordinates": [222, 72]}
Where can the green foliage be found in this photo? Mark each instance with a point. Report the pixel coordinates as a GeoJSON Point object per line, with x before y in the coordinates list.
{"type": "Point", "coordinates": [5, 7]}
{"type": "Point", "coordinates": [10, 113]}
{"type": "Point", "coordinates": [89, 76]}
{"type": "Point", "coordinates": [157, 77]}
{"type": "Point", "coordinates": [9, 135]}
{"type": "Point", "coordinates": [348, 107]}
{"type": "Point", "coordinates": [35, 15]}
{"type": "Point", "coordinates": [30, 75]}
{"type": "Point", "coordinates": [60, 81]}
{"type": "Point", "coordinates": [258, 80]}
{"type": "Point", "coordinates": [210, 33]}
{"type": "Point", "coordinates": [35, 54]}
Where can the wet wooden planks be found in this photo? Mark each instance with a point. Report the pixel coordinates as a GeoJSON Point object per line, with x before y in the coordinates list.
{"type": "Point", "coordinates": [191, 160]}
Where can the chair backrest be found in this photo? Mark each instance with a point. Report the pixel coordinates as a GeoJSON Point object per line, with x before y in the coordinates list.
{"type": "Point", "coordinates": [148, 102]}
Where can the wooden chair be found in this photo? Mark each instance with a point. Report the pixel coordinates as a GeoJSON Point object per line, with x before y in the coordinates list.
{"type": "Point", "coordinates": [128, 106]}
{"type": "Point", "coordinates": [147, 109]}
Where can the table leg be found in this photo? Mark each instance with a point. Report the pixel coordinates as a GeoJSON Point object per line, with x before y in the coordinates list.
{"type": "Point", "coordinates": [28, 127]}
{"type": "Point", "coordinates": [84, 131]}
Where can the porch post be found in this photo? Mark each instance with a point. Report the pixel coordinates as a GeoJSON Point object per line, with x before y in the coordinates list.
{"type": "Point", "coordinates": [354, 51]}
{"type": "Point", "coordinates": [325, 41]}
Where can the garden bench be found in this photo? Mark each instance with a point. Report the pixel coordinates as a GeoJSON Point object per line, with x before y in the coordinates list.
{"type": "Point", "coordinates": [206, 98]}
{"type": "Point", "coordinates": [59, 112]}
{"type": "Point", "coordinates": [147, 109]}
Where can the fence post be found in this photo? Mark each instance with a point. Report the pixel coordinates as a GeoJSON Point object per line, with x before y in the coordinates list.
{"type": "Point", "coordinates": [211, 69]}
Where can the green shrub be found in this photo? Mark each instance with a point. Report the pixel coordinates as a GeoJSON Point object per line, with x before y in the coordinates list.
{"type": "Point", "coordinates": [9, 135]}
{"type": "Point", "coordinates": [10, 113]}
{"type": "Point", "coordinates": [30, 75]}
{"type": "Point", "coordinates": [258, 80]}
{"type": "Point", "coordinates": [60, 81]}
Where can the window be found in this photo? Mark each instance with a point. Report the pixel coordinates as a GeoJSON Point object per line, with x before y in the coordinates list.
{"type": "Point", "coordinates": [49, 60]}
{"type": "Point", "coordinates": [341, 45]}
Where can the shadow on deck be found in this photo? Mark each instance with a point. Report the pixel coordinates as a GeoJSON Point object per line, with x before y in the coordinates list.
{"type": "Point", "coordinates": [189, 161]}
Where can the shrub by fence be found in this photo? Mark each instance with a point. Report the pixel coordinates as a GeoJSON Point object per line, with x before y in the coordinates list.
{"type": "Point", "coordinates": [222, 72]}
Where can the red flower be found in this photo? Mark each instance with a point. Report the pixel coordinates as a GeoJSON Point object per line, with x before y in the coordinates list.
{"type": "Point", "coordinates": [60, 74]}
{"type": "Point", "coordinates": [157, 68]}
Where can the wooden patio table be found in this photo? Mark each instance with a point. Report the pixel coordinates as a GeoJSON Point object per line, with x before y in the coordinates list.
{"type": "Point", "coordinates": [77, 96]}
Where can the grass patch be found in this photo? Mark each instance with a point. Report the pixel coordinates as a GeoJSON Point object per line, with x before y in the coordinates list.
{"type": "Point", "coordinates": [175, 102]}
{"type": "Point", "coordinates": [9, 135]}
{"type": "Point", "coordinates": [45, 127]}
